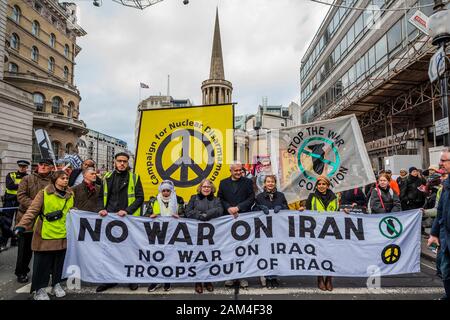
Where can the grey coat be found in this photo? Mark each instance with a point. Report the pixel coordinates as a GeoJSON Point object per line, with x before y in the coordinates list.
{"type": "Point", "coordinates": [198, 204]}
{"type": "Point", "coordinates": [390, 200]}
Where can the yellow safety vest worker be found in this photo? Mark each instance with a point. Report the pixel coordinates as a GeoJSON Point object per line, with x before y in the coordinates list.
{"type": "Point", "coordinates": [52, 230]}
{"type": "Point", "coordinates": [16, 180]}
{"type": "Point", "coordinates": [133, 177]}
{"type": "Point", "coordinates": [317, 205]}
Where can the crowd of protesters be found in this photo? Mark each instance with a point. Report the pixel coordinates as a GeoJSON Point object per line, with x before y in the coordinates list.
{"type": "Point", "coordinates": [45, 196]}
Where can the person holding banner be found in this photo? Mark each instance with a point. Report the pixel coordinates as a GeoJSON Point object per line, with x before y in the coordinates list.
{"type": "Point", "coordinates": [323, 199]}
{"type": "Point", "coordinates": [204, 206]}
{"type": "Point", "coordinates": [166, 204]}
{"type": "Point", "coordinates": [237, 196]}
{"type": "Point", "coordinates": [382, 198]}
{"type": "Point", "coordinates": [121, 192]}
{"type": "Point", "coordinates": [29, 187]}
{"type": "Point", "coordinates": [50, 207]}
{"type": "Point", "coordinates": [271, 199]}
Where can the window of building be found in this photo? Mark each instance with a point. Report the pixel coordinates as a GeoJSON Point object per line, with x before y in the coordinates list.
{"type": "Point", "coordinates": [35, 28]}
{"type": "Point", "coordinates": [52, 40]}
{"type": "Point", "coordinates": [394, 36]}
{"type": "Point", "coordinates": [13, 68]}
{"type": "Point", "coordinates": [16, 13]}
{"type": "Point", "coordinates": [66, 73]}
{"type": "Point", "coordinates": [38, 99]}
{"type": "Point", "coordinates": [371, 58]}
{"type": "Point", "coordinates": [34, 53]}
{"type": "Point", "coordinates": [38, 6]}
{"type": "Point", "coordinates": [381, 51]}
{"type": "Point", "coordinates": [351, 35]}
{"type": "Point", "coordinates": [359, 25]}
{"type": "Point", "coordinates": [66, 51]}
{"type": "Point", "coordinates": [14, 41]}
{"type": "Point", "coordinates": [56, 105]}
{"type": "Point", "coordinates": [69, 148]}
{"type": "Point", "coordinates": [70, 109]}
{"type": "Point", "coordinates": [51, 64]}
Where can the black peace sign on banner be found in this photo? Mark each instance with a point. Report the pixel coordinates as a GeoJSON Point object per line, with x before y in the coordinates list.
{"type": "Point", "coordinates": [185, 161]}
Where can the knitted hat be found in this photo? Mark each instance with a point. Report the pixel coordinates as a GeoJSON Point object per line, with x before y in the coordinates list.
{"type": "Point", "coordinates": [412, 169]}
{"type": "Point", "coordinates": [323, 178]}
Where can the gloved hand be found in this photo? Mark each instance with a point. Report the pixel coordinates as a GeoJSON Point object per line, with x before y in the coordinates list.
{"type": "Point", "coordinates": [203, 217]}
{"type": "Point", "coordinates": [276, 209]}
{"type": "Point", "coordinates": [19, 230]}
{"type": "Point", "coordinates": [264, 209]}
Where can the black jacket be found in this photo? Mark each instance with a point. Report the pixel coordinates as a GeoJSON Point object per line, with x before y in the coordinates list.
{"type": "Point", "coordinates": [118, 194]}
{"type": "Point", "coordinates": [325, 198]}
{"type": "Point", "coordinates": [199, 204]}
{"type": "Point", "coordinates": [11, 185]}
{"type": "Point", "coordinates": [278, 200]}
{"type": "Point", "coordinates": [238, 193]}
{"type": "Point", "coordinates": [411, 194]}
{"type": "Point", "coordinates": [349, 197]}
{"type": "Point", "coordinates": [441, 224]}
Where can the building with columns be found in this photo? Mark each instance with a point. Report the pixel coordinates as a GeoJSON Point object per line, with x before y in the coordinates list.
{"type": "Point", "coordinates": [216, 90]}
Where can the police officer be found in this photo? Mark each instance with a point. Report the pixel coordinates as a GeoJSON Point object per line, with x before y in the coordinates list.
{"type": "Point", "coordinates": [122, 193]}
{"type": "Point", "coordinates": [12, 184]}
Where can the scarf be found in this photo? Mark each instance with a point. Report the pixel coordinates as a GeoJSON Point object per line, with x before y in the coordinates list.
{"type": "Point", "coordinates": [270, 194]}
{"type": "Point", "coordinates": [167, 205]}
{"type": "Point", "coordinates": [90, 187]}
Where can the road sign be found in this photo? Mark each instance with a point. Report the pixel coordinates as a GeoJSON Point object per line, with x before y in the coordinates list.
{"type": "Point", "coordinates": [420, 21]}
{"type": "Point", "coordinates": [437, 65]}
{"type": "Point", "coordinates": [442, 126]}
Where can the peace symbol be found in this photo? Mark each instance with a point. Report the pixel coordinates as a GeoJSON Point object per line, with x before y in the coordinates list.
{"type": "Point", "coordinates": [318, 157]}
{"type": "Point", "coordinates": [185, 162]}
{"type": "Point", "coordinates": [391, 254]}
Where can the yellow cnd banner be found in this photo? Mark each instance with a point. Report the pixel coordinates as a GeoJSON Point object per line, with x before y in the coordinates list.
{"type": "Point", "coordinates": [184, 145]}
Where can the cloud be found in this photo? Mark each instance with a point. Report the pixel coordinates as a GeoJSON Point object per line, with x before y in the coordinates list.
{"type": "Point", "coordinates": [262, 42]}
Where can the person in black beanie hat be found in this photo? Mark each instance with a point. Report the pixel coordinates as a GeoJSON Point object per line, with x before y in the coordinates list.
{"type": "Point", "coordinates": [412, 196]}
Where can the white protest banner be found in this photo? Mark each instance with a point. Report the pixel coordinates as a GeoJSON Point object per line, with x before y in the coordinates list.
{"type": "Point", "coordinates": [334, 148]}
{"type": "Point", "coordinates": [165, 249]}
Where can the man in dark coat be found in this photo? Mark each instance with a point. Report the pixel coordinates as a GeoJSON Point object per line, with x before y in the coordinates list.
{"type": "Point", "coordinates": [440, 232]}
{"type": "Point", "coordinates": [237, 196]}
{"type": "Point", "coordinates": [86, 193]}
{"type": "Point", "coordinates": [116, 199]}
{"type": "Point", "coordinates": [414, 197]}
{"type": "Point", "coordinates": [236, 192]}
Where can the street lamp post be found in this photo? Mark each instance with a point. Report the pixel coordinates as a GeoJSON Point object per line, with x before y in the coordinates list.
{"type": "Point", "coordinates": [439, 26]}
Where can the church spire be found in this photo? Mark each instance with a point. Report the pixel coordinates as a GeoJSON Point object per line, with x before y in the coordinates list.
{"type": "Point", "coordinates": [217, 72]}
{"type": "Point", "coordinates": [216, 90]}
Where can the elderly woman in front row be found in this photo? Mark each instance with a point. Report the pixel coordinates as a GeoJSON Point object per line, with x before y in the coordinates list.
{"type": "Point", "coordinates": [204, 206]}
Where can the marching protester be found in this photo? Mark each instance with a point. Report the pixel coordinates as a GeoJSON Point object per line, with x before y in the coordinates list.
{"type": "Point", "coordinates": [413, 197]}
{"type": "Point", "coordinates": [10, 203]}
{"type": "Point", "coordinates": [76, 176]}
{"type": "Point", "coordinates": [355, 198]}
{"type": "Point", "coordinates": [323, 199]}
{"type": "Point", "coordinates": [29, 187]}
{"type": "Point", "coordinates": [49, 208]}
{"type": "Point", "coordinates": [86, 193]}
{"type": "Point", "coordinates": [121, 193]}
{"type": "Point", "coordinates": [392, 183]}
{"type": "Point", "coordinates": [440, 232]}
{"type": "Point", "coordinates": [271, 199]}
{"type": "Point", "coordinates": [165, 204]}
{"type": "Point", "coordinates": [204, 206]}
{"type": "Point", "coordinates": [382, 198]}
{"type": "Point", "coordinates": [237, 196]}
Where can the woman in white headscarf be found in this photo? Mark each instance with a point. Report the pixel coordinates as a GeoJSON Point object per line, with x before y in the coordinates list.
{"type": "Point", "coordinates": [165, 204]}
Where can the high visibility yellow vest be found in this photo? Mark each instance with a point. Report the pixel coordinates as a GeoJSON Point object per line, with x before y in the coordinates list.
{"type": "Point", "coordinates": [131, 190]}
{"type": "Point", "coordinates": [156, 208]}
{"type": "Point", "coordinates": [16, 180]}
{"type": "Point", "coordinates": [317, 205]}
{"type": "Point", "coordinates": [53, 230]}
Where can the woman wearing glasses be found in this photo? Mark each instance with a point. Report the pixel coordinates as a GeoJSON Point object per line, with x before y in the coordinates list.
{"type": "Point", "coordinates": [49, 209]}
{"type": "Point", "coordinates": [204, 206]}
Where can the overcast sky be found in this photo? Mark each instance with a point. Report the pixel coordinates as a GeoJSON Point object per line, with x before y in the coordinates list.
{"type": "Point", "coordinates": [263, 42]}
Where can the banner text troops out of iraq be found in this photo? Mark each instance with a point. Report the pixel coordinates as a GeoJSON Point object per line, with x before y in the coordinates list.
{"type": "Point", "coordinates": [184, 145]}
{"type": "Point", "coordinates": [333, 148]}
{"type": "Point", "coordinates": [165, 249]}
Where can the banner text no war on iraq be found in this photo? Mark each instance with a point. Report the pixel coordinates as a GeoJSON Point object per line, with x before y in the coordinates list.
{"type": "Point", "coordinates": [165, 249]}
